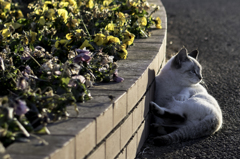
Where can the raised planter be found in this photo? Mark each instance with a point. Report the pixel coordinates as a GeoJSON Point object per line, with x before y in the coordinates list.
{"type": "Point", "coordinates": [107, 128]}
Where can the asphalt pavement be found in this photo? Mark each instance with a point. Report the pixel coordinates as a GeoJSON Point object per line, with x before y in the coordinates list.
{"type": "Point", "coordinates": [212, 27]}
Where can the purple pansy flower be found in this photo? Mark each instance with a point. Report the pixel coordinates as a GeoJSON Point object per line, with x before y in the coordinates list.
{"type": "Point", "coordinates": [21, 107]}
{"type": "Point", "coordinates": [83, 55]}
{"type": "Point", "coordinates": [116, 78]}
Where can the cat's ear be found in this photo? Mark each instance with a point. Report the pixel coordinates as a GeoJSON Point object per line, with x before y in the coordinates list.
{"type": "Point", "coordinates": [194, 54]}
{"type": "Point", "coordinates": [180, 58]}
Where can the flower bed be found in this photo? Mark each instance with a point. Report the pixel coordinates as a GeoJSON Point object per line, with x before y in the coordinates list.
{"type": "Point", "coordinates": [54, 51]}
{"type": "Point", "coordinates": [106, 127]}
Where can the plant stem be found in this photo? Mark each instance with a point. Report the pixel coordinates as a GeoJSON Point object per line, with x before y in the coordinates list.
{"type": "Point", "coordinates": [86, 28]}
{"type": "Point", "coordinates": [34, 59]}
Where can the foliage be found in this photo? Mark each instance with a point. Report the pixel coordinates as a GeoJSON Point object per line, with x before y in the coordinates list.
{"type": "Point", "coordinates": [53, 51]}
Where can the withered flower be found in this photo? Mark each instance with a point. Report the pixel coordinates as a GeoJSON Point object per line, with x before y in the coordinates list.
{"type": "Point", "coordinates": [2, 64]}
{"type": "Point", "coordinates": [22, 83]}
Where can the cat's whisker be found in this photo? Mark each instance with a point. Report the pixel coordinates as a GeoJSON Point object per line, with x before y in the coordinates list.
{"type": "Point", "coordinates": [204, 83]}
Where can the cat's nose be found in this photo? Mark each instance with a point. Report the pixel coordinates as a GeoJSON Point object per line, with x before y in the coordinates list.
{"type": "Point", "coordinates": [200, 77]}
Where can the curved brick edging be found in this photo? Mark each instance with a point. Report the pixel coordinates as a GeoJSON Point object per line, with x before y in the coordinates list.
{"type": "Point", "coordinates": [108, 128]}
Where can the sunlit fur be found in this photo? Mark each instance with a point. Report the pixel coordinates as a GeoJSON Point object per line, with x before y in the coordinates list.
{"type": "Point", "coordinates": [178, 91]}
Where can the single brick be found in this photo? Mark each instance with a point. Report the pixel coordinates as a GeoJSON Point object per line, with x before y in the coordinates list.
{"type": "Point", "coordinates": [113, 144]}
{"type": "Point", "coordinates": [86, 140]}
{"type": "Point", "coordinates": [141, 137]}
{"type": "Point", "coordinates": [132, 97]}
{"type": "Point", "coordinates": [132, 148]}
{"type": "Point", "coordinates": [147, 125]}
{"type": "Point", "coordinates": [138, 115]}
{"type": "Point", "coordinates": [153, 67]}
{"type": "Point", "coordinates": [119, 109]}
{"type": "Point", "coordinates": [104, 124]}
{"type": "Point", "coordinates": [142, 84]}
{"type": "Point", "coordinates": [126, 130]}
{"type": "Point", "coordinates": [146, 100]}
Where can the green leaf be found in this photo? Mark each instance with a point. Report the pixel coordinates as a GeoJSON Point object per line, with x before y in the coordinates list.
{"type": "Point", "coordinates": [96, 24]}
{"type": "Point", "coordinates": [65, 80]}
{"type": "Point", "coordinates": [42, 130]}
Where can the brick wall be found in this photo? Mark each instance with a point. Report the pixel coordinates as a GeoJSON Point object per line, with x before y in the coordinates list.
{"type": "Point", "coordinates": [105, 128]}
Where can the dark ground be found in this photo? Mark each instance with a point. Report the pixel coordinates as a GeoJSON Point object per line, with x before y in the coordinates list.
{"type": "Point", "coordinates": [212, 27]}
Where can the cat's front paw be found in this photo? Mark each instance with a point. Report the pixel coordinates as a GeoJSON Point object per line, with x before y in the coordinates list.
{"type": "Point", "coordinates": [156, 109]}
{"type": "Point", "coordinates": [181, 97]}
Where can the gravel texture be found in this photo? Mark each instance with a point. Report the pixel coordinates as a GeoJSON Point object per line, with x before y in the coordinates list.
{"type": "Point", "coordinates": [212, 27]}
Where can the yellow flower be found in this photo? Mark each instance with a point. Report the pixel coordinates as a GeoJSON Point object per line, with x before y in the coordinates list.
{"type": "Point", "coordinates": [63, 13]}
{"type": "Point", "coordinates": [2, 15]}
{"type": "Point", "coordinates": [17, 13]}
{"type": "Point", "coordinates": [142, 21]}
{"type": "Point", "coordinates": [107, 2]}
{"type": "Point", "coordinates": [110, 27]}
{"type": "Point", "coordinates": [76, 34]}
{"type": "Point", "coordinates": [111, 39]}
{"type": "Point", "coordinates": [60, 43]}
{"type": "Point", "coordinates": [130, 3]}
{"type": "Point", "coordinates": [5, 5]}
{"type": "Point", "coordinates": [25, 40]}
{"type": "Point", "coordinates": [158, 23]}
{"type": "Point", "coordinates": [73, 3]}
{"type": "Point", "coordinates": [79, 30]}
{"type": "Point", "coordinates": [128, 38]}
{"type": "Point", "coordinates": [63, 4]}
{"type": "Point", "coordinates": [69, 36]}
{"type": "Point", "coordinates": [87, 45]}
{"type": "Point", "coordinates": [90, 4]}
{"type": "Point", "coordinates": [120, 15]}
{"type": "Point", "coordinates": [99, 38]}
{"type": "Point", "coordinates": [46, 5]}
{"type": "Point", "coordinates": [5, 33]}
{"type": "Point", "coordinates": [114, 40]}
{"type": "Point", "coordinates": [33, 36]}
{"type": "Point", "coordinates": [123, 53]}
{"type": "Point", "coordinates": [159, 26]}
{"type": "Point", "coordinates": [38, 11]}
{"type": "Point", "coordinates": [42, 20]}
{"type": "Point", "coordinates": [121, 18]}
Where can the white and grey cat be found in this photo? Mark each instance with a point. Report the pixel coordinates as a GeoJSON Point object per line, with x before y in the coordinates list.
{"type": "Point", "coordinates": [183, 109]}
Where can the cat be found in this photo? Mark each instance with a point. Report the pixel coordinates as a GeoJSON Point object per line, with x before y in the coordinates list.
{"type": "Point", "coordinates": [183, 109]}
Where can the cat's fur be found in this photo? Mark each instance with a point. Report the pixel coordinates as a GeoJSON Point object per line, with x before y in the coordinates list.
{"type": "Point", "coordinates": [183, 109]}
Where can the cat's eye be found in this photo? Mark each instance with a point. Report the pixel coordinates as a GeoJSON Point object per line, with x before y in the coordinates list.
{"type": "Point", "coordinates": [193, 72]}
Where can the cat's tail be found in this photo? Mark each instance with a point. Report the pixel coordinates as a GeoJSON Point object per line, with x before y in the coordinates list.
{"type": "Point", "coordinates": [208, 126]}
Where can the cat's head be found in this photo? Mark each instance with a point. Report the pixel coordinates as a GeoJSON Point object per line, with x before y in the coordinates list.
{"type": "Point", "coordinates": [186, 67]}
